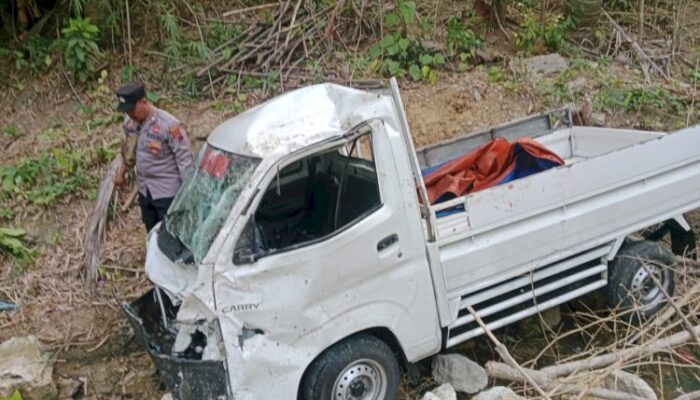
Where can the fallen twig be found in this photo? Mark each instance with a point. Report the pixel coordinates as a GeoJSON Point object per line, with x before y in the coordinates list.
{"type": "Point", "coordinates": [636, 46]}
{"type": "Point", "coordinates": [505, 355]}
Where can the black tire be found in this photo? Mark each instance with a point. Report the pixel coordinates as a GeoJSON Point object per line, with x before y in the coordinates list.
{"type": "Point", "coordinates": [629, 284]}
{"type": "Point", "coordinates": [362, 365]}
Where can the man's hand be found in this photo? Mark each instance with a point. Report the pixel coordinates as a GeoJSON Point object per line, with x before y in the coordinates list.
{"type": "Point", "coordinates": [119, 181]}
{"type": "Point", "coordinates": [120, 178]}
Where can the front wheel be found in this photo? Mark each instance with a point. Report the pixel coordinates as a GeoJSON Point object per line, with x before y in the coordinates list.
{"type": "Point", "coordinates": [359, 368]}
{"type": "Point", "coordinates": [630, 284]}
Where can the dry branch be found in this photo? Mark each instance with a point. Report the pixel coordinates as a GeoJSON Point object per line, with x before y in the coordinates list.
{"type": "Point", "coordinates": [624, 354]}
{"type": "Point", "coordinates": [93, 241]}
{"type": "Point", "coordinates": [636, 46]}
{"type": "Point", "coordinates": [502, 371]}
{"type": "Point", "coordinates": [505, 355]}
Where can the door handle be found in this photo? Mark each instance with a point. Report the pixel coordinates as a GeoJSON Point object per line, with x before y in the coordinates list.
{"type": "Point", "coordinates": [387, 241]}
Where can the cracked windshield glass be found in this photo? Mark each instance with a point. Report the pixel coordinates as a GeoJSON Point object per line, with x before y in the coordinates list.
{"type": "Point", "coordinates": [206, 198]}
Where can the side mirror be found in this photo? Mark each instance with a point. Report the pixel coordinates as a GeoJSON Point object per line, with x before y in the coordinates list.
{"type": "Point", "coordinates": [244, 255]}
{"type": "Point", "coordinates": [251, 244]}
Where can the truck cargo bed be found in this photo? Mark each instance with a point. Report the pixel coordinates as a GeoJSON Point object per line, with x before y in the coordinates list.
{"type": "Point", "coordinates": [507, 250]}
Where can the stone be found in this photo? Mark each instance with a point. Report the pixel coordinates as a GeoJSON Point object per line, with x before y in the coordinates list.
{"type": "Point", "coordinates": [544, 64]}
{"type": "Point", "coordinates": [629, 383]}
{"type": "Point", "coordinates": [498, 393]}
{"type": "Point", "coordinates": [551, 316]}
{"type": "Point", "coordinates": [442, 392]}
{"type": "Point", "coordinates": [167, 396]}
{"type": "Point", "coordinates": [598, 118]}
{"type": "Point", "coordinates": [577, 85]}
{"type": "Point", "coordinates": [484, 55]}
{"type": "Point", "coordinates": [68, 388]}
{"type": "Point", "coordinates": [462, 373]}
{"type": "Point", "coordinates": [24, 367]}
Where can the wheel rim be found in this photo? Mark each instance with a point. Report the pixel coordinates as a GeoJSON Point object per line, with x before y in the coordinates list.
{"type": "Point", "coordinates": [364, 379]}
{"type": "Point", "coordinates": [644, 288]}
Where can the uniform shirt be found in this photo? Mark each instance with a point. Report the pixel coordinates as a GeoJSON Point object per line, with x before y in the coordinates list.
{"type": "Point", "coordinates": [163, 155]}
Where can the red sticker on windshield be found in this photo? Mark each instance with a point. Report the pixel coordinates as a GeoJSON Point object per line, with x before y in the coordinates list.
{"type": "Point", "coordinates": [214, 163]}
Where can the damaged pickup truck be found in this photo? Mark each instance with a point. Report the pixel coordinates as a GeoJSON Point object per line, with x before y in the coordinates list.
{"type": "Point", "coordinates": [313, 252]}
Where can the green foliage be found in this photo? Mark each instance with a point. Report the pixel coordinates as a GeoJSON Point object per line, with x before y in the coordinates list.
{"type": "Point", "coordinates": [12, 130]}
{"type": "Point", "coordinates": [651, 99]}
{"type": "Point", "coordinates": [495, 74]}
{"type": "Point", "coordinates": [461, 40]}
{"type": "Point", "coordinates": [80, 49]}
{"type": "Point", "coordinates": [536, 33]}
{"type": "Point", "coordinates": [43, 179]}
{"type": "Point", "coordinates": [11, 241]}
{"type": "Point", "coordinates": [128, 73]}
{"type": "Point", "coordinates": [33, 54]}
{"type": "Point", "coordinates": [400, 52]}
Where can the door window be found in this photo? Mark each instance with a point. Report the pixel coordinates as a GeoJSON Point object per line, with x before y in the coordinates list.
{"type": "Point", "coordinates": [313, 198]}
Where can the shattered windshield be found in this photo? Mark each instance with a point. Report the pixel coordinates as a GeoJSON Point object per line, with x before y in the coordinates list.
{"type": "Point", "coordinates": [206, 197]}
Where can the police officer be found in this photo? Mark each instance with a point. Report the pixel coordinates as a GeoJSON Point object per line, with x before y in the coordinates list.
{"type": "Point", "coordinates": [156, 143]}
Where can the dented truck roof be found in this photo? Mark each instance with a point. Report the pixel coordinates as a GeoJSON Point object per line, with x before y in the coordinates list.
{"type": "Point", "coordinates": [299, 118]}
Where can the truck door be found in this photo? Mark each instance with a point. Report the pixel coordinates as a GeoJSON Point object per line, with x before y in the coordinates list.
{"type": "Point", "coordinates": [328, 250]}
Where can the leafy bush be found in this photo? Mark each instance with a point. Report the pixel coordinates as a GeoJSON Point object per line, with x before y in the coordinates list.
{"type": "Point", "coordinates": [461, 40]}
{"type": "Point", "coordinates": [400, 52]}
{"type": "Point", "coordinates": [536, 33]}
{"type": "Point", "coordinates": [33, 54]}
{"type": "Point", "coordinates": [80, 49]}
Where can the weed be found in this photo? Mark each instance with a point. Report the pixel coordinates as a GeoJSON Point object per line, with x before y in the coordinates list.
{"type": "Point", "coordinates": [11, 241]}
{"type": "Point", "coordinates": [80, 49]}
{"type": "Point", "coordinates": [6, 213]}
{"type": "Point", "coordinates": [12, 130]}
{"type": "Point", "coordinates": [537, 34]}
{"type": "Point", "coordinates": [42, 179]}
{"type": "Point", "coordinates": [400, 52]}
{"type": "Point", "coordinates": [128, 73]}
{"type": "Point", "coordinates": [34, 54]}
{"type": "Point", "coordinates": [462, 42]}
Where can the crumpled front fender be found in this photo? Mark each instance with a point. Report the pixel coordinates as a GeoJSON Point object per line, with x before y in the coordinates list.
{"type": "Point", "coordinates": [187, 379]}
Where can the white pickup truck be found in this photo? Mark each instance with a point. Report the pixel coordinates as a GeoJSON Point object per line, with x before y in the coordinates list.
{"type": "Point", "coordinates": [298, 261]}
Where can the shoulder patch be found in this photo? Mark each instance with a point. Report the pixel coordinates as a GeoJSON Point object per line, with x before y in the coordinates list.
{"type": "Point", "coordinates": [176, 132]}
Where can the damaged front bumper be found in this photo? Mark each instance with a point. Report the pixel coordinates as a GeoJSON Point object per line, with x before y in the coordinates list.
{"type": "Point", "coordinates": [187, 376]}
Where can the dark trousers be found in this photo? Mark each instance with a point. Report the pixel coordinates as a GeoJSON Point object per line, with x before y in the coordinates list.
{"type": "Point", "coordinates": [153, 210]}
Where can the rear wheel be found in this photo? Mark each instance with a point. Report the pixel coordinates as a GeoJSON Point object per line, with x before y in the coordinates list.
{"type": "Point", "coordinates": [630, 284]}
{"type": "Point", "coordinates": [359, 368]}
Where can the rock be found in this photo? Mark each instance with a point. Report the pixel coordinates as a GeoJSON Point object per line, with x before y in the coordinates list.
{"type": "Point", "coordinates": [442, 392]}
{"type": "Point", "coordinates": [167, 396]}
{"type": "Point", "coordinates": [625, 382]}
{"type": "Point", "coordinates": [68, 388]}
{"type": "Point", "coordinates": [598, 119]}
{"type": "Point", "coordinates": [551, 316]}
{"type": "Point", "coordinates": [577, 85]}
{"type": "Point", "coordinates": [462, 373]}
{"type": "Point", "coordinates": [103, 382]}
{"type": "Point", "coordinates": [545, 64]}
{"type": "Point", "coordinates": [24, 367]}
{"type": "Point", "coordinates": [484, 56]}
{"type": "Point", "coordinates": [498, 393]}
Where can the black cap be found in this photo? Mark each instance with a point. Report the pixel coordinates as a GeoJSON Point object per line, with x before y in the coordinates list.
{"type": "Point", "coordinates": [129, 94]}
